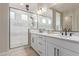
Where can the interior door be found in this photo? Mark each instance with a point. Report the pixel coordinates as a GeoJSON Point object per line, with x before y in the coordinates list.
{"type": "Point", "coordinates": [18, 28]}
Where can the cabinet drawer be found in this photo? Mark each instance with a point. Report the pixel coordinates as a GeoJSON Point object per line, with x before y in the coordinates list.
{"type": "Point", "coordinates": [41, 37]}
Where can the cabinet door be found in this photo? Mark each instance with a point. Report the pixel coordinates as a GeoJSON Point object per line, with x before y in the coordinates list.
{"type": "Point", "coordinates": [66, 52]}
{"type": "Point", "coordinates": [34, 41]}
{"type": "Point", "coordinates": [41, 45]}
{"type": "Point", "coordinates": [51, 49]}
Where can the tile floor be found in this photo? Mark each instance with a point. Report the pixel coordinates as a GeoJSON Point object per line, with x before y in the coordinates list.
{"type": "Point", "coordinates": [25, 52]}
{"type": "Point", "coordinates": [21, 52]}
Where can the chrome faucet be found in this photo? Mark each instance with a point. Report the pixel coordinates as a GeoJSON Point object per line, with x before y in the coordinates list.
{"type": "Point", "coordinates": [66, 32]}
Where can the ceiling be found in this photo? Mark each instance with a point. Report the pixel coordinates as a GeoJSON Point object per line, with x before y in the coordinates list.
{"type": "Point", "coordinates": [58, 6]}
{"type": "Point", "coordinates": [33, 7]}
{"type": "Point", "coordinates": [66, 6]}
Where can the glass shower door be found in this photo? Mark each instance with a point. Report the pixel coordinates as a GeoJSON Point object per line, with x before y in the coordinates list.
{"type": "Point", "coordinates": [18, 28]}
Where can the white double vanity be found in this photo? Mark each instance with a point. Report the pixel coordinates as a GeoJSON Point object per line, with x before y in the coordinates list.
{"type": "Point", "coordinates": [54, 44]}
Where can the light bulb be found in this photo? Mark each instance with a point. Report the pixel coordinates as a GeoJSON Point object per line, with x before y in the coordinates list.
{"type": "Point", "coordinates": [44, 9]}
{"type": "Point", "coordinates": [39, 12]}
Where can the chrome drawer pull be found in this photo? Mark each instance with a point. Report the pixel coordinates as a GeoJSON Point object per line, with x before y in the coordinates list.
{"type": "Point", "coordinates": [57, 52]}
{"type": "Point", "coordinates": [54, 51]}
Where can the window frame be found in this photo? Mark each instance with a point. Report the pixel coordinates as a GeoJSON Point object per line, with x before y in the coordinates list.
{"type": "Point", "coordinates": [45, 17]}
{"type": "Point", "coordinates": [60, 21]}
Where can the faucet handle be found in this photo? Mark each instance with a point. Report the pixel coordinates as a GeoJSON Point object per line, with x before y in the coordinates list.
{"type": "Point", "coordinates": [62, 33]}
{"type": "Point", "coordinates": [71, 34]}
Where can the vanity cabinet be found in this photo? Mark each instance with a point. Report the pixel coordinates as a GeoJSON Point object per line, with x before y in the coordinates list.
{"type": "Point", "coordinates": [51, 46]}
{"type": "Point", "coordinates": [34, 42]}
{"type": "Point", "coordinates": [57, 47]}
{"type": "Point", "coordinates": [38, 44]}
{"type": "Point", "coordinates": [54, 50]}
{"type": "Point", "coordinates": [41, 45]}
{"type": "Point", "coordinates": [50, 49]}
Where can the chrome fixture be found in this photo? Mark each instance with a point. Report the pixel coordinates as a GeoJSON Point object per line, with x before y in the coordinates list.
{"type": "Point", "coordinates": [27, 7]}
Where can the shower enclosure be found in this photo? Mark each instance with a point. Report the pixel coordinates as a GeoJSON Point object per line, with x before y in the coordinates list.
{"type": "Point", "coordinates": [18, 28]}
{"type": "Point", "coordinates": [21, 21]}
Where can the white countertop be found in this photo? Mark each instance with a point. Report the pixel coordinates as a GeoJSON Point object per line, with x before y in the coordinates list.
{"type": "Point", "coordinates": [68, 38]}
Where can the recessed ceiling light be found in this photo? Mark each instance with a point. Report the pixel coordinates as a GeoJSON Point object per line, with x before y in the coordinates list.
{"type": "Point", "coordinates": [21, 4]}
{"type": "Point", "coordinates": [54, 3]}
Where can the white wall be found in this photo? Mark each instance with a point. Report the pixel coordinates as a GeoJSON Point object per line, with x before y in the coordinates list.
{"type": "Point", "coordinates": [4, 27]}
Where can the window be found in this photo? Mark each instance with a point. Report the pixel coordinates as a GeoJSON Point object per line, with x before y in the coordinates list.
{"type": "Point", "coordinates": [35, 17]}
{"type": "Point", "coordinates": [35, 20]}
{"type": "Point", "coordinates": [49, 21]}
{"type": "Point", "coordinates": [24, 17]}
{"type": "Point", "coordinates": [12, 15]}
{"type": "Point", "coordinates": [58, 21]}
{"type": "Point", "coordinates": [44, 22]}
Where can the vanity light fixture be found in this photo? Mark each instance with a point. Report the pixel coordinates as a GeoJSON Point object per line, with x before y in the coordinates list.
{"type": "Point", "coordinates": [41, 10]}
